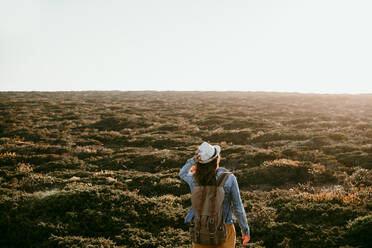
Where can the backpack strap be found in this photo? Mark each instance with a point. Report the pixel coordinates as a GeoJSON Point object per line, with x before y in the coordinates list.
{"type": "Point", "coordinates": [222, 179]}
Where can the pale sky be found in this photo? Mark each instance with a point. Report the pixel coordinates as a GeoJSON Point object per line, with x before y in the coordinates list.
{"type": "Point", "coordinates": [321, 46]}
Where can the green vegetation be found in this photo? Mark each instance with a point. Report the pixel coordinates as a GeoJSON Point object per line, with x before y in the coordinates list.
{"type": "Point", "coordinates": [100, 169]}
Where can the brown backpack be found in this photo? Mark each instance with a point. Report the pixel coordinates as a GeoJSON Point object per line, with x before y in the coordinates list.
{"type": "Point", "coordinates": [208, 226]}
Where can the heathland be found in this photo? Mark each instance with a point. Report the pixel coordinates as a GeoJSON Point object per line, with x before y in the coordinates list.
{"type": "Point", "coordinates": [100, 169]}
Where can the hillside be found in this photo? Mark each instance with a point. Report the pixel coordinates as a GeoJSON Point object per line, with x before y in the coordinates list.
{"type": "Point", "coordinates": [100, 169]}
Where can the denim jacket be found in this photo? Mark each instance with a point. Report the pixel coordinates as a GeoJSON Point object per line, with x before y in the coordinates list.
{"type": "Point", "coordinates": [231, 203]}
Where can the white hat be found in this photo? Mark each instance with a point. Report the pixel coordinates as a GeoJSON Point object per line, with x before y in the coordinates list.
{"type": "Point", "coordinates": [208, 152]}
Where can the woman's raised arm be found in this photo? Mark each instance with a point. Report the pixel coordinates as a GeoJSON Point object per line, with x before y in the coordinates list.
{"type": "Point", "coordinates": [184, 172]}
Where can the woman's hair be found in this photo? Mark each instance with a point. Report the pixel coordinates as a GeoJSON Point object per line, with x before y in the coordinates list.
{"type": "Point", "coordinates": [205, 174]}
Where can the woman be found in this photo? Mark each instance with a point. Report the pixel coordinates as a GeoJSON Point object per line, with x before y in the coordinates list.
{"type": "Point", "coordinates": [203, 169]}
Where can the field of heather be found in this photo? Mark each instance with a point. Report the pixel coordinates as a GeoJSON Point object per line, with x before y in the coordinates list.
{"type": "Point", "coordinates": [100, 169]}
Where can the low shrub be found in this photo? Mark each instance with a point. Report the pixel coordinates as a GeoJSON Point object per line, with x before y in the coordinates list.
{"type": "Point", "coordinates": [276, 173]}
{"type": "Point", "coordinates": [86, 211]}
{"type": "Point", "coordinates": [66, 162]}
{"type": "Point", "coordinates": [359, 231]}
{"type": "Point", "coordinates": [149, 184]}
{"type": "Point", "coordinates": [78, 241]}
{"type": "Point", "coordinates": [356, 158]}
{"type": "Point", "coordinates": [116, 123]}
{"type": "Point", "coordinates": [245, 123]}
{"type": "Point", "coordinates": [273, 136]}
{"type": "Point", "coordinates": [235, 137]}
{"type": "Point", "coordinates": [360, 177]}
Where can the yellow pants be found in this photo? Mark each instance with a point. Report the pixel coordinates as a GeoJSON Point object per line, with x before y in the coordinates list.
{"type": "Point", "coordinates": [230, 239]}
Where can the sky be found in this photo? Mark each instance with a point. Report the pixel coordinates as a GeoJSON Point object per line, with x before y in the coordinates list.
{"type": "Point", "coordinates": [312, 46]}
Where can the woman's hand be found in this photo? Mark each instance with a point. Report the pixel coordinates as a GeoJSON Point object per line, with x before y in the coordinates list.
{"type": "Point", "coordinates": [246, 239]}
{"type": "Point", "coordinates": [197, 156]}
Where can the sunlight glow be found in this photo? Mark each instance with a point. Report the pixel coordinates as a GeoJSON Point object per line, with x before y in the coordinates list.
{"type": "Point", "coordinates": [294, 45]}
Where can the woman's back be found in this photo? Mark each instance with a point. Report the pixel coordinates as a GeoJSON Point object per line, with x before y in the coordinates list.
{"type": "Point", "coordinates": [231, 202]}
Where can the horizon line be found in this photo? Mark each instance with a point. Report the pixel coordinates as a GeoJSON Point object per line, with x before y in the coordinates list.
{"type": "Point", "coordinates": [201, 91]}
